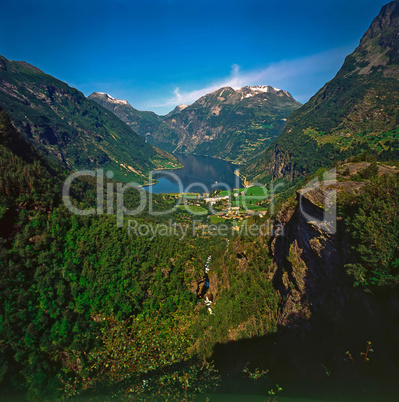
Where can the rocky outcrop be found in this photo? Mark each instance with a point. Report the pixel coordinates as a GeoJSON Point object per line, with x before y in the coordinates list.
{"type": "Point", "coordinates": [310, 257]}
{"type": "Point", "coordinates": [309, 266]}
{"type": "Point", "coordinates": [322, 315]}
{"type": "Point", "coordinates": [325, 324]}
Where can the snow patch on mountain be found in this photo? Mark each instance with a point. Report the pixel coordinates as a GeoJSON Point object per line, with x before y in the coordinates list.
{"type": "Point", "coordinates": [112, 99]}
{"type": "Point", "coordinates": [260, 88]}
{"type": "Point", "coordinates": [250, 91]}
{"type": "Point", "coordinates": [264, 88]}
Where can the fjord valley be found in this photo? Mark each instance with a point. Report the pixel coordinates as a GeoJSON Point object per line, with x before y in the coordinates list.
{"type": "Point", "coordinates": [282, 285]}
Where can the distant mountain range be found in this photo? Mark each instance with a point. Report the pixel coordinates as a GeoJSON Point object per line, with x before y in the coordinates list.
{"type": "Point", "coordinates": [354, 113]}
{"type": "Point", "coordinates": [232, 124]}
{"type": "Point", "coordinates": [72, 129]}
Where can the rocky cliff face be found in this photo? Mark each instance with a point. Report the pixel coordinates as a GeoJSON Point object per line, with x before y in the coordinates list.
{"type": "Point", "coordinates": [309, 271]}
{"type": "Point", "coordinates": [320, 306]}
{"type": "Point", "coordinates": [276, 163]}
{"type": "Point", "coordinates": [324, 322]}
{"type": "Point", "coordinates": [356, 111]}
{"type": "Point", "coordinates": [311, 254]}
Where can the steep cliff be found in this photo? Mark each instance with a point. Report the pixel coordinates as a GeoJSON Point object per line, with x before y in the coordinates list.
{"type": "Point", "coordinates": [309, 260]}
{"type": "Point", "coordinates": [332, 337]}
{"type": "Point", "coordinates": [319, 303]}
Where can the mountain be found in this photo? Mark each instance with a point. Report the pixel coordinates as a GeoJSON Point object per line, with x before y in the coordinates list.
{"type": "Point", "coordinates": [227, 123]}
{"type": "Point", "coordinates": [232, 124]}
{"type": "Point", "coordinates": [356, 112]}
{"type": "Point", "coordinates": [147, 124]}
{"type": "Point", "coordinates": [24, 170]}
{"type": "Point", "coordinates": [74, 130]}
{"type": "Point", "coordinates": [142, 123]}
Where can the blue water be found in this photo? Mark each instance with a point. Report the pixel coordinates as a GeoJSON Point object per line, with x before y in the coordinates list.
{"type": "Point", "coordinates": [200, 174]}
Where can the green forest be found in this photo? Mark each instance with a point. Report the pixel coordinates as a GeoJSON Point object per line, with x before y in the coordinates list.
{"type": "Point", "coordinates": [69, 282]}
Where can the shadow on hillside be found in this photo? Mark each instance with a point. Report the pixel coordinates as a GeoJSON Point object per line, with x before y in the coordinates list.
{"type": "Point", "coordinates": [308, 356]}
{"type": "Point", "coordinates": [312, 360]}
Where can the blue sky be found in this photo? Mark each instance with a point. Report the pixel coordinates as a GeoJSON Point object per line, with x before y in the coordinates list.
{"type": "Point", "coordinates": [160, 53]}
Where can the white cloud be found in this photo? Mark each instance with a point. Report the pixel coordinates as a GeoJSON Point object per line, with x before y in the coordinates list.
{"type": "Point", "coordinates": [178, 96]}
{"type": "Point", "coordinates": [302, 77]}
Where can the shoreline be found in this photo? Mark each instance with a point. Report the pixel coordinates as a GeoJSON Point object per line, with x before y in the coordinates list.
{"type": "Point", "coordinates": [160, 170]}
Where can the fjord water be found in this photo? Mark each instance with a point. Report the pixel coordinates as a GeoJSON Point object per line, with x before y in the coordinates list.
{"type": "Point", "coordinates": [208, 171]}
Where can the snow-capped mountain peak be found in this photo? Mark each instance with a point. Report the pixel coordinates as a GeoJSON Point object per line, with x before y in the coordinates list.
{"type": "Point", "coordinates": [112, 99]}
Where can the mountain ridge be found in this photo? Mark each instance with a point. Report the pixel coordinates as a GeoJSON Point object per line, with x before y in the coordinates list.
{"type": "Point", "coordinates": [72, 129]}
{"type": "Point", "coordinates": [356, 112]}
{"type": "Point", "coordinates": [145, 123]}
